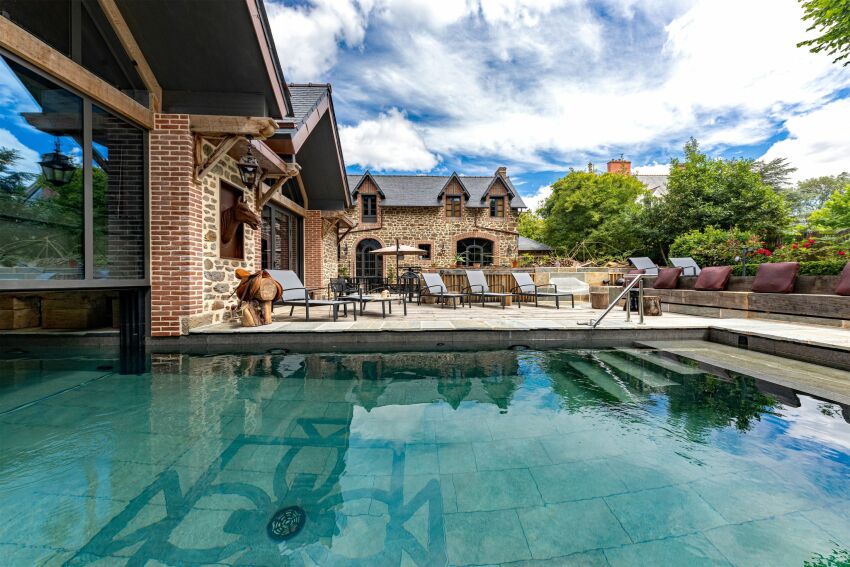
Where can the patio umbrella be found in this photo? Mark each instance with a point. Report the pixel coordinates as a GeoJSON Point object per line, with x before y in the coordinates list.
{"type": "Point", "coordinates": [399, 250]}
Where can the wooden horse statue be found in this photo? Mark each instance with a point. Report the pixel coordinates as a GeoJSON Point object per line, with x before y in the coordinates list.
{"type": "Point", "coordinates": [257, 288]}
{"type": "Point", "coordinates": [231, 218]}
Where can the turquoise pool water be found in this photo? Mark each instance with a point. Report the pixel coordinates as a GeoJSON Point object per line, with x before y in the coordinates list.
{"type": "Point", "coordinates": [488, 458]}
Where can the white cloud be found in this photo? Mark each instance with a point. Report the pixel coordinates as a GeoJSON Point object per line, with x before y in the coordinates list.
{"type": "Point", "coordinates": [543, 84]}
{"type": "Point", "coordinates": [818, 142]}
{"type": "Point", "coordinates": [389, 142]}
{"type": "Point", "coordinates": [534, 201]}
{"type": "Point", "coordinates": [28, 158]}
{"type": "Point", "coordinates": [651, 169]}
{"type": "Point", "coordinates": [308, 37]}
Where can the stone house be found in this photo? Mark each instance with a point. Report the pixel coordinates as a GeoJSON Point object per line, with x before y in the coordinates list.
{"type": "Point", "coordinates": [451, 217]}
{"type": "Point", "coordinates": [148, 116]}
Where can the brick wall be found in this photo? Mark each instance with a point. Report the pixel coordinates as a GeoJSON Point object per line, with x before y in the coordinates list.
{"type": "Point", "coordinates": [314, 275]}
{"type": "Point", "coordinates": [176, 232]}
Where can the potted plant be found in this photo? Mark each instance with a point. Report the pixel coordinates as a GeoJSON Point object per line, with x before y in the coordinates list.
{"type": "Point", "coordinates": [459, 260]}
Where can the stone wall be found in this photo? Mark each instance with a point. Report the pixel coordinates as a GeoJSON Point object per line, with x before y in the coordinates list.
{"type": "Point", "coordinates": [429, 225]}
{"type": "Point", "coordinates": [219, 277]}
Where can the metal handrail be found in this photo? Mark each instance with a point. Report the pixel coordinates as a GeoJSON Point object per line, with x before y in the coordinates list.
{"type": "Point", "coordinates": [637, 281]}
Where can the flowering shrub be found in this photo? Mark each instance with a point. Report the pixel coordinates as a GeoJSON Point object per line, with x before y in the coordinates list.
{"type": "Point", "coordinates": [813, 249]}
{"type": "Point", "coordinates": [716, 247]}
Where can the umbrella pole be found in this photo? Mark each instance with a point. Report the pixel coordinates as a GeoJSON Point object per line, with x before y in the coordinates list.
{"type": "Point", "coordinates": [397, 257]}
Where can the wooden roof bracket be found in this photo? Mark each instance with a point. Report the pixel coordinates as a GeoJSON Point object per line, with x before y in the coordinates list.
{"type": "Point", "coordinates": [267, 196]}
{"type": "Point", "coordinates": [224, 146]}
{"type": "Point", "coordinates": [134, 52]}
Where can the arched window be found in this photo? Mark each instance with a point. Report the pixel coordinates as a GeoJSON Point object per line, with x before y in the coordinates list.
{"type": "Point", "coordinates": [369, 265]}
{"type": "Point", "coordinates": [475, 251]}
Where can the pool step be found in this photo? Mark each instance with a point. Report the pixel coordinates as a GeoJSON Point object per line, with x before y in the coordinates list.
{"type": "Point", "coordinates": [653, 379]}
{"type": "Point", "coordinates": [657, 358]}
{"type": "Point", "coordinates": [822, 381]}
{"type": "Point", "coordinates": [604, 380]}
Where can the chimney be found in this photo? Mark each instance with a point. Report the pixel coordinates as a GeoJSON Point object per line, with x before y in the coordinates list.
{"type": "Point", "coordinates": [621, 165]}
{"type": "Point", "coordinates": [590, 167]}
{"type": "Point", "coordinates": [502, 172]}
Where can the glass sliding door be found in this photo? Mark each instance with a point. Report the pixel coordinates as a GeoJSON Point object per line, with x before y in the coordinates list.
{"type": "Point", "coordinates": [283, 246]}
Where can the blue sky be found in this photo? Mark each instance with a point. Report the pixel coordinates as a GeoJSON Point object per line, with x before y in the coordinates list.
{"type": "Point", "coordinates": [424, 86]}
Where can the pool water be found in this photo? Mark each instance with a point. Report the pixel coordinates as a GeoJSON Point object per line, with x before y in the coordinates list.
{"type": "Point", "coordinates": [486, 458]}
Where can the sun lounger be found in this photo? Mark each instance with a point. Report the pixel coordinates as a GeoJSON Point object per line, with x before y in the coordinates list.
{"type": "Point", "coordinates": [435, 287]}
{"type": "Point", "coordinates": [689, 266]}
{"type": "Point", "coordinates": [527, 287]}
{"type": "Point", "coordinates": [478, 287]}
{"type": "Point", "coordinates": [643, 263]}
{"type": "Point", "coordinates": [296, 295]}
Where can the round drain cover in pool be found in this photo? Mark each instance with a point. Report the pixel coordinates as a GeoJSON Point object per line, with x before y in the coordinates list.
{"type": "Point", "coordinates": [286, 523]}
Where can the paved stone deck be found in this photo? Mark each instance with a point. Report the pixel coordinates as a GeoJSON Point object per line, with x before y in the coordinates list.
{"type": "Point", "coordinates": [493, 318]}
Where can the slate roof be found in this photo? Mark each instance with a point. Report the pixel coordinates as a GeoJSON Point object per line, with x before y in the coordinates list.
{"type": "Point", "coordinates": [528, 245]}
{"type": "Point", "coordinates": [304, 98]}
{"type": "Point", "coordinates": [657, 184]}
{"type": "Point", "coordinates": [424, 190]}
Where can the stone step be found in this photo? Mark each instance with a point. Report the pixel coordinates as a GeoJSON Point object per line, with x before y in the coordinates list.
{"type": "Point", "coordinates": [658, 359]}
{"type": "Point", "coordinates": [652, 378]}
{"type": "Point", "coordinates": [822, 381]}
{"type": "Point", "coordinates": [604, 380]}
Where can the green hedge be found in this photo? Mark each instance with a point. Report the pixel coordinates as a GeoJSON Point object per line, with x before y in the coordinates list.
{"type": "Point", "coordinates": [817, 268]}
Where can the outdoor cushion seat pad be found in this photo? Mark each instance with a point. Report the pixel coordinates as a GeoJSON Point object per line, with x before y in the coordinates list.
{"type": "Point", "coordinates": [843, 287]}
{"type": "Point", "coordinates": [715, 278]}
{"type": "Point", "coordinates": [776, 278]}
{"type": "Point", "coordinates": [668, 278]}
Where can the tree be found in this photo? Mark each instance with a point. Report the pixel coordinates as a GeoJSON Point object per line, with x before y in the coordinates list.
{"type": "Point", "coordinates": [11, 181]}
{"type": "Point", "coordinates": [775, 173]}
{"type": "Point", "coordinates": [831, 19]}
{"type": "Point", "coordinates": [530, 225]}
{"type": "Point", "coordinates": [811, 194]}
{"type": "Point", "coordinates": [582, 202]}
{"type": "Point", "coordinates": [726, 194]}
{"type": "Point", "coordinates": [834, 215]}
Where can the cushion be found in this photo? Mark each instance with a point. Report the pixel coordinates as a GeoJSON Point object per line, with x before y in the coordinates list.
{"type": "Point", "coordinates": [776, 278]}
{"type": "Point", "coordinates": [715, 278]}
{"type": "Point", "coordinates": [668, 278]}
{"type": "Point", "coordinates": [843, 287]}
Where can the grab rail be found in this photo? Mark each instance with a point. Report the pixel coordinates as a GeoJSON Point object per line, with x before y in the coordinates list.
{"type": "Point", "coordinates": [637, 281]}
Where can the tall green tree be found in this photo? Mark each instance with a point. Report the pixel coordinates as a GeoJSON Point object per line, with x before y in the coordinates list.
{"type": "Point", "coordinates": [811, 194]}
{"type": "Point", "coordinates": [582, 204]}
{"type": "Point", "coordinates": [530, 225]}
{"type": "Point", "coordinates": [775, 173]}
{"type": "Point", "coordinates": [726, 194]}
{"type": "Point", "coordinates": [831, 20]}
{"type": "Point", "coordinates": [834, 215]}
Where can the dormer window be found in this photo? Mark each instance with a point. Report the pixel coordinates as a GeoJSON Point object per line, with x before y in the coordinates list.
{"type": "Point", "coordinates": [497, 207]}
{"type": "Point", "coordinates": [453, 206]}
{"type": "Point", "coordinates": [369, 208]}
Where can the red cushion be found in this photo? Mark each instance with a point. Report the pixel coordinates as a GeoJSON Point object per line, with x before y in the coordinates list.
{"type": "Point", "coordinates": [668, 278]}
{"type": "Point", "coordinates": [776, 278]}
{"type": "Point", "coordinates": [715, 278]}
{"type": "Point", "coordinates": [843, 287]}
{"type": "Point", "coordinates": [627, 279]}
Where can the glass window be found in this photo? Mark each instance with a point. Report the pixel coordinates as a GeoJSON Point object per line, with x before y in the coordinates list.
{"type": "Point", "coordinates": [370, 208]}
{"type": "Point", "coordinates": [475, 251]}
{"type": "Point", "coordinates": [497, 206]}
{"type": "Point", "coordinates": [427, 249]}
{"type": "Point", "coordinates": [118, 181]}
{"type": "Point", "coordinates": [41, 178]}
{"type": "Point", "coordinates": [453, 207]}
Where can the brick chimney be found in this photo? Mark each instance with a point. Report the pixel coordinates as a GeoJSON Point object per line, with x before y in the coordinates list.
{"type": "Point", "coordinates": [620, 166]}
{"type": "Point", "coordinates": [502, 172]}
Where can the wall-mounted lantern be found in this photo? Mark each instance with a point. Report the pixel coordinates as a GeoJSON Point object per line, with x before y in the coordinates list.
{"type": "Point", "coordinates": [249, 167]}
{"type": "Point", "coordinates": [56, 167]}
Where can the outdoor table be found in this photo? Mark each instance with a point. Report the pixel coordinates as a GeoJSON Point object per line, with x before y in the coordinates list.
{"type": "Point", "coordinates": [383, 300]}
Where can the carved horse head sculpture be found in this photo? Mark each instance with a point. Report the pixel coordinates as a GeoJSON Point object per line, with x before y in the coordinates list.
{"type": "Point", "coordinates": [238, 214]}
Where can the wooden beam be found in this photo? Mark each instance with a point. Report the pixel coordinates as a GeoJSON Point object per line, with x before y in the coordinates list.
{"type": "Point", "coordinates": [271, 192]}
{"type": "Point", "coordinates": [219, 152]}
{"type": "Point", "coordinates": [302, 190]}
{"type": "Point", "coordinates": [26, 46]}
{"type": "Point", "coordinates": [212, 125]}
{"type": "Point", "coordinates": [134, 52]}
{"type": "Point", "coordinates": [275, 81]}
{"type": "Point", "coordinates": [288, 203]}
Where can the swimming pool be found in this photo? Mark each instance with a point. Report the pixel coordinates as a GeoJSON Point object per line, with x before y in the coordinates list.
{"type": "Point", "coordinates": [564, 457]}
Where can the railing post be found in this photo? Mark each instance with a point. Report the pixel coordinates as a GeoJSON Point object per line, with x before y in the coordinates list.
{"type": "Point", "coordinates": [640, 302]}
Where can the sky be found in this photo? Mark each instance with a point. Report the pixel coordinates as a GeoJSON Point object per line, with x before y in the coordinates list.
{"type": "Point", "coordinates": [540, 86]}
